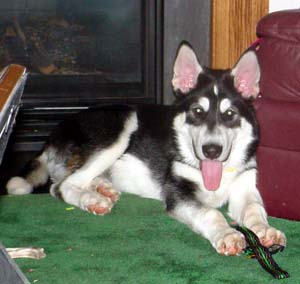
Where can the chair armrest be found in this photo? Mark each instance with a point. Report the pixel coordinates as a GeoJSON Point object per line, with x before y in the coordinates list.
{"type": "Point", "coordinates": [12, 82]}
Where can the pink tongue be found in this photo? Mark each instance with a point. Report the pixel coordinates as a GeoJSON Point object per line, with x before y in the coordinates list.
{"type": "Point", "coordinates": [211, 174]}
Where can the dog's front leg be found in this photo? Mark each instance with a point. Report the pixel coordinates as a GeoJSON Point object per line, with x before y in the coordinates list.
{"type": "Point", "coordinates": [246, 207]}
{"type": "Point", "coordinates": [211, 224]}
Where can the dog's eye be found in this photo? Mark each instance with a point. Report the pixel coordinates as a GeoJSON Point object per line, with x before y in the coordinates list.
{"type": "Point", "coordinates": [231, 117]}
{"type": "Point", "coordinates": [198, 110]}
{"type": "Point", "coordinates": [229, 113]}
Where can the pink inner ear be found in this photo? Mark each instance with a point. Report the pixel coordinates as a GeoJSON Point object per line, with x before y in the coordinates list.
{"type": "Point", "coordinates": [186, 70]}
{"type": "Point", "coordinates": [247, 75]}
{"type": "Point", "coordinates": [186, 79]}
{"type": "Point", "coordinates": [246, 85]}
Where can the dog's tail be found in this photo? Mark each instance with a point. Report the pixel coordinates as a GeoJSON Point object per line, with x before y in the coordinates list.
{"type": "Point", "coordinates": [34, 174]}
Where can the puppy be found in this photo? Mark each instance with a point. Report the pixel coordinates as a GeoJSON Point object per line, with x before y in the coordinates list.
{"type": "Point", "coordinates": [194, 156]}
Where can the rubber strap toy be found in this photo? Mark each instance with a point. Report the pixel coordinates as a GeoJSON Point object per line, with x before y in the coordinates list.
{"type": "Point", "coordinates": [263, 254]}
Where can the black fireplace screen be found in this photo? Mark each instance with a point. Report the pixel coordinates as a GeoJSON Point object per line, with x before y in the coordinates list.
{"type": "Point", "coordinates": [73, 37]}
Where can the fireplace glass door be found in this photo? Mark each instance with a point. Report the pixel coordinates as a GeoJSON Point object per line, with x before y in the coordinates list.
{"type": "Point", "coordinates": [77, 49]}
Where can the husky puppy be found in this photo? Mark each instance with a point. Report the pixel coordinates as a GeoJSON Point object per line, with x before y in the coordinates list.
{"type": "Point", "coordinates": [194, 156]}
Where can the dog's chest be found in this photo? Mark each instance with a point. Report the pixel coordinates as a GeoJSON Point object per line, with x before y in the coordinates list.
{"type": "Point", "coordinates": [213, 199]}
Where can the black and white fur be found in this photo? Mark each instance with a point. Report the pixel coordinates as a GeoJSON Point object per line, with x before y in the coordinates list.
{"type": "Point", "coordinates": [156, 152]}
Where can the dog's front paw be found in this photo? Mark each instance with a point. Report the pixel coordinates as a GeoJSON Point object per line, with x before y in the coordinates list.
{"type": "Point", "coordinates": [229, 242]}
{"type": "Point", "coordinates": [269, 235]}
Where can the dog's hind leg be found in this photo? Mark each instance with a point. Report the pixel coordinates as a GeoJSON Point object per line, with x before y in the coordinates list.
{"type": "Point", "coordinates": [85, 199]}
{"type": "Point", "coordinates": [79, 188]}
{"type": "Point", "coordinates": [86, 189]}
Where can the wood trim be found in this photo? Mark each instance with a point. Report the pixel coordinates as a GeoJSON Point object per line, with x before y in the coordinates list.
{"type": "Point", "coordinates": [233, 28]}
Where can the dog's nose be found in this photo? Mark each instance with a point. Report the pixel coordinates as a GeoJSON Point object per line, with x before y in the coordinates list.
{"type": "Point", "coordinates": [212, 151]}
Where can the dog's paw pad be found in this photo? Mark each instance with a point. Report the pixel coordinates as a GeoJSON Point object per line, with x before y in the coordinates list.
{"type": "Point", "coordinates": [108, 192]}
{"type": "Point", "coordinates": [97, 209]}
{"type": "Point", "coordinates": [104, 187]}
{"type": "Point", "coordinates": [231, 242]}
{"type": "Point", "coordinates": [95, 203]}
{"type": "Point", "coordinates": [269, 235]}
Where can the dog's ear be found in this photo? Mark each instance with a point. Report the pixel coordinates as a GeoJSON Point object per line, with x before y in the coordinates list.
{"type": "Point", "coordinates": [186, 69]}
{"type": "Point", "coordinates": [247, 74]}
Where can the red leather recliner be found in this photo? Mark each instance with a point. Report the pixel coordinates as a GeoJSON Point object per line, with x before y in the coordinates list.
{"type": "Point", "coordinates": [278, 111]}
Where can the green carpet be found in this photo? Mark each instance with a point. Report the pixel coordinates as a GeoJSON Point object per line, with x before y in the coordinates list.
{"type": "Point", "coordinates": [136, 243]}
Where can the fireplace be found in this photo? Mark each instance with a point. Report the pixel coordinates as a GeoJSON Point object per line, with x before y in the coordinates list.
{"type": "Point", "coordinates": [83, 53]}
{"type": "Point", "coordinates": [78, 53]}
{"type": "Point", "coordinates": [71, 38]}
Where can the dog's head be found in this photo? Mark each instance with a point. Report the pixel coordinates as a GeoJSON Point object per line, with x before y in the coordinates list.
{"type": "Point", "coordinates": [215, 123]}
